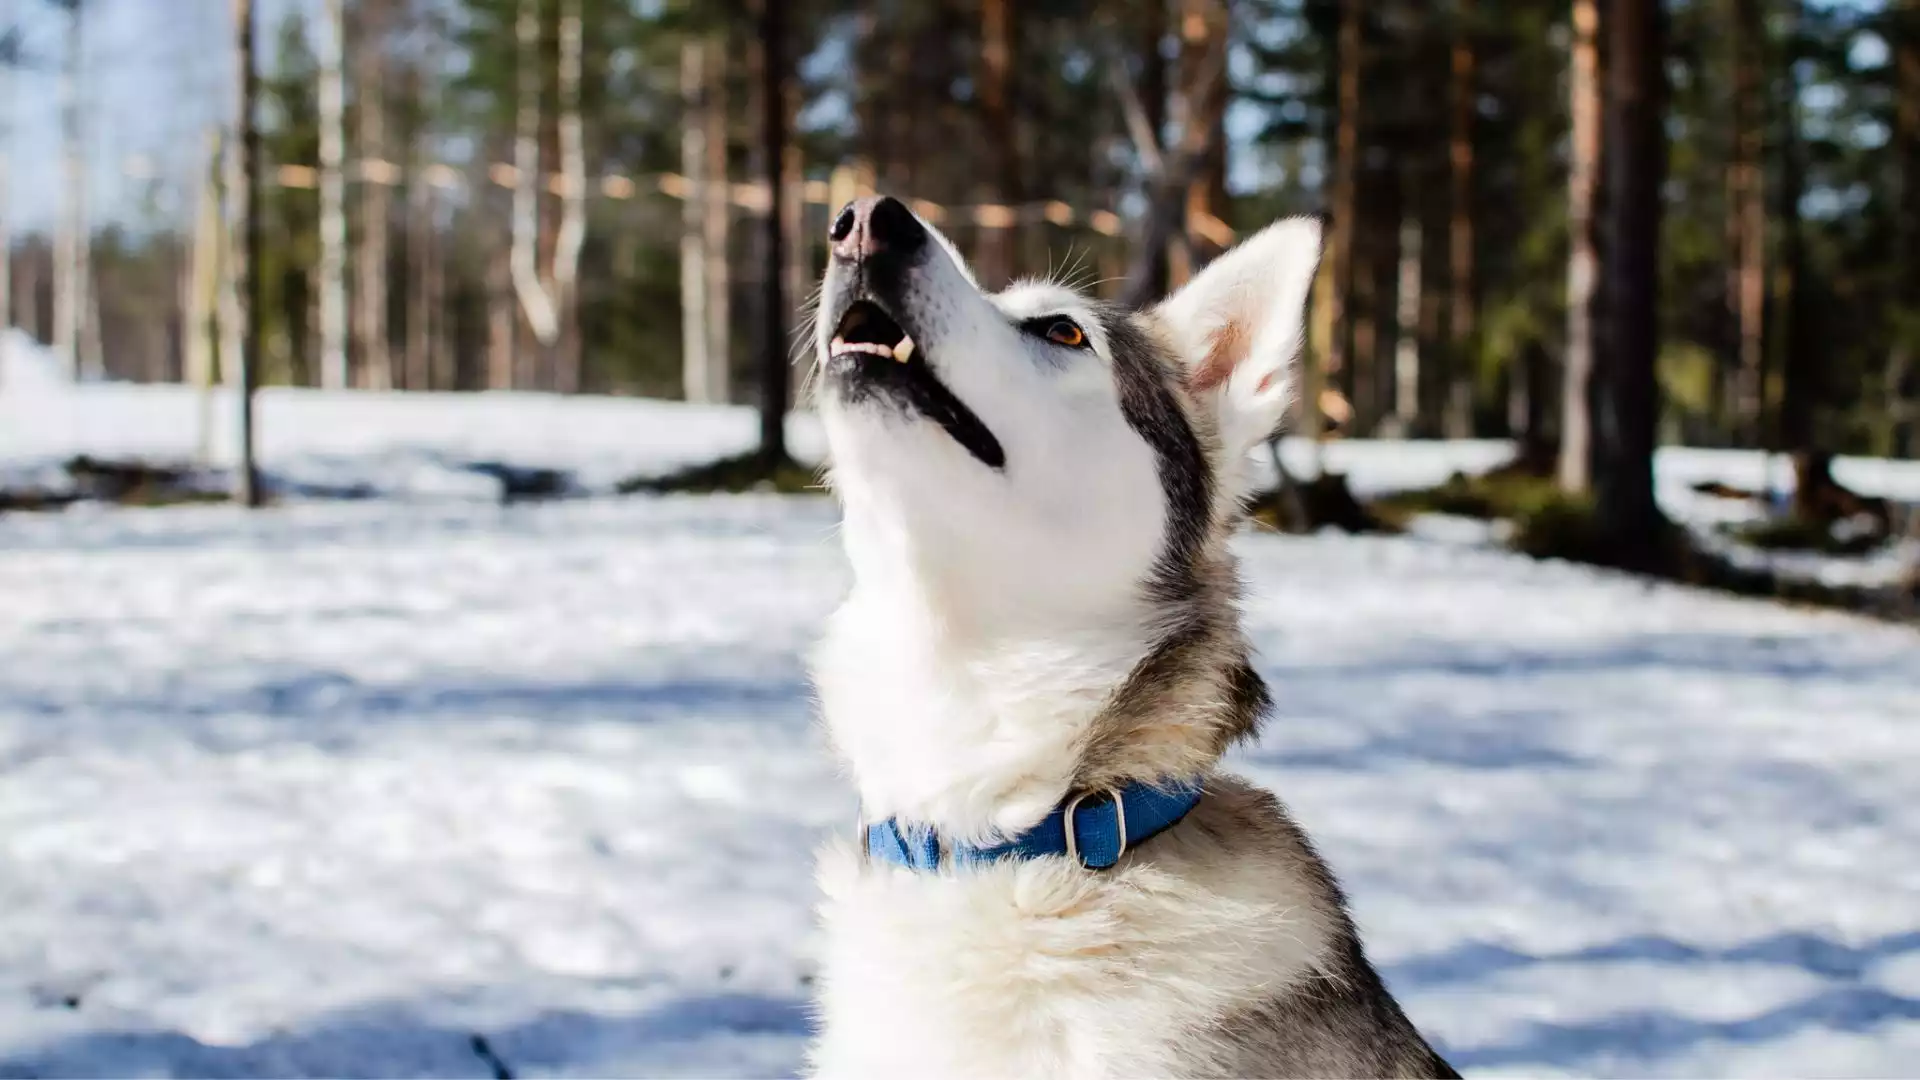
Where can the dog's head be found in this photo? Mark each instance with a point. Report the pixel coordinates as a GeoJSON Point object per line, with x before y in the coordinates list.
{"type": "Point", "coordinates": [1035, 455]}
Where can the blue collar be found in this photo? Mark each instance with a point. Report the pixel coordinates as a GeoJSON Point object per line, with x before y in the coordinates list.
{"type": "Point", "coordinates": [1094, 828]}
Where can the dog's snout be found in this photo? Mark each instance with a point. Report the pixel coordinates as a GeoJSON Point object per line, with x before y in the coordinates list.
{"type": "Point", "coordinates": [875, 225]}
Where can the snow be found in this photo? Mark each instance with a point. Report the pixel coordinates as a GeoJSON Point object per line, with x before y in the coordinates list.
{"type": "Point", "coordinates": [421, 446]}
{"type": "Point", "coordinates": [422, 784]}
{"type": "Point", "coordinates": [28, 367]}
{"type": "Point", "coordinates": [426, 446]}
{"type": "Point", "coordinates": [341, 788]}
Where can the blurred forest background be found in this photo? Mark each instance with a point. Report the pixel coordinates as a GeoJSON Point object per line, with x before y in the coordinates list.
{"type": "Point", "coordinates": [1587, 225]}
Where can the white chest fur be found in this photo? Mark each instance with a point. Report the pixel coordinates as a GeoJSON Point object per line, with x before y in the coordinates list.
{"type": "Point", "coordinates": [1042, 968]}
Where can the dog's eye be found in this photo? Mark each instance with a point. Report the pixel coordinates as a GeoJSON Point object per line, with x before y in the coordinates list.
{"type": "Point", "coordinates": [1060, 332]}
{"type": "Point", "coordinates": [1064, 332]}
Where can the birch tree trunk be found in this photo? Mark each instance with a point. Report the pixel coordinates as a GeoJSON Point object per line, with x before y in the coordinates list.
{"type": "Point", "coordinates": [7, 62]}
{"type": "Point", "coordinates": [1583, 268]}
{"type": "Point", "coordinates": [565, 273]}
{"type": "Point", "coordinates": [333, 204]}
{"type": "Point", "coordinates": [204, 297]}
{"type": "Point", "coordinates": [503, 341]}
{"type": "Point", "coordinates": [371, 294]}
{"type": "Point", "coordinates": [718, 225]}
{"type": "Point", "coordinates": [230, 316]}
{"type": "Point", "coordinates": [695, 360]}
{"type": "Point", "coordinates": [536, 300]}
{"type": "Point", "coordinates": [422, 231]}
{"type": "Point", "coordinates": [1406, 346]}
{"type": "Point", "coordinates": [69, 290]}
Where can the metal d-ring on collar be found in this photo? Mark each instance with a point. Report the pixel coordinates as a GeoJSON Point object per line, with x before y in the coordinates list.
{"type": "Point", "coordinates": [1119, 813]}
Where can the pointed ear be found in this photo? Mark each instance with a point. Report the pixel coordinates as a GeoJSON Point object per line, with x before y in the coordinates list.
{"type": "Point", "coordinates": [1240, 324]}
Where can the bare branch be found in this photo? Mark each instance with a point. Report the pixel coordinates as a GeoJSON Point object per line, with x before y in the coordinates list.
{"type": "Point", "coordinates": [1146, 141]}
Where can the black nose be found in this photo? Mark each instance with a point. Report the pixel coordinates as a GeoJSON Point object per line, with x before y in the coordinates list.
{"type": "Point", "coordinates": [875, 225]}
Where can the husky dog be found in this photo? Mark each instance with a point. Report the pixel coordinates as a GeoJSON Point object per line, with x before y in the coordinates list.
{"type": "Point", "coordinates": [1037, 671]}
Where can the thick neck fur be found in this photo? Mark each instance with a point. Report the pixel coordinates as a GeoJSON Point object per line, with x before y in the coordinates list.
{"type": "Point", "coordinates": [979, 722]}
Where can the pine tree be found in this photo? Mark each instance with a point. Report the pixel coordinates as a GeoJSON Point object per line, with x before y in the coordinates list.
{"type": "Point", "coordinates": [1625, 389]}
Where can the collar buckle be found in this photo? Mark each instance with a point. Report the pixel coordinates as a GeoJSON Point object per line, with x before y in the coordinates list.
{"type": "Point", "coordinates": [1119, 821]}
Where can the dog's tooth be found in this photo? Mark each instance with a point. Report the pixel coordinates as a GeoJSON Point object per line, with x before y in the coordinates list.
{"type": "Point", "coordinates": [904, 350]}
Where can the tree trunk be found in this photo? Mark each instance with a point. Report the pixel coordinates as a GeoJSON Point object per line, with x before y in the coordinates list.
{"type": "Point", "coordinates": [775, 373]}
{"type": "Point", "coordinates": [1363, 362]}
{"type": "Point", "coordinates": [1747, 222]}
{"type": "Point", "coordinates": [442, 369]}
{"type": "Point", "coordinates": [246, 255]}
{"type": "Point", "coordinates": [425, 313]}
{"type": "Point", "coordinates": [798, 265]}
{"type": "Point", "coordinates": [204, 299]}
{"type": "Point", "coordinates": [1169, 168]}
{"type": "Point", "coordinates": [1583, 266]}
{"type": "Point", "coordinates": [422, 211]}
{"type": "Point", "coordinates": [7, 63]}
{"type": "Point", "coordinates": [1626, 391]}
{"type": "Point", "coordinates": [69, 290]}
{"type": "Point", "coordinates": [230, 314]}
{"type": "Point", "coordinates": [1903, 394]}
{"type": "Point", "coordinates": [1464, 306]}
{"type": "Point", "coordinates": [1799, 370]}
{"type": "Point", "coordinates": [1406, 345]}
{"type": "Point", "coordinates": [565, 274]}
{"type": "Point", "coordinates": [502, 307]}
{"type": "Point", "coordinates": [996, 253]}
{"type": "Point", "coordinates": [333, 201]}
{"type": "Point", "coordinates": [1346, 166]}
{"type": "Point", "coordinates": [719, 229]}
{"type": "Point", "coordinates": [376, 359]}
{"type": "Point", "coordinates": [1204, 25]}
{"type": "Point", "coordinates": [1153, 97]}
{"type": "Point", "coordinates": [695, 360]}
{"type": "Point", "coordinates": [534, 298]}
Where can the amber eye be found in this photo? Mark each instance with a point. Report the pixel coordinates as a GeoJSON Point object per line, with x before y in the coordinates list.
{"type": "Point", "coordinates": [1065, 332]}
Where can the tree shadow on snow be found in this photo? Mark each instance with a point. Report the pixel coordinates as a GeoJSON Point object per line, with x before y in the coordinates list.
{"type": "Point", "coordinates": [708, 1035]}
{"type": "Point", "coordinates": [1846, 1005]}
{"type": "Point", "coordinates": [333, 705]}
{"type": "Point", "coordinates": [1748, 655]}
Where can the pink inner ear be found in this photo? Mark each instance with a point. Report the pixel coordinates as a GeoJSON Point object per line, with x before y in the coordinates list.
{"type": "Point", "coordinates": [1226, 349]}
{"type": "Point", "coordinates": [1266, 382]}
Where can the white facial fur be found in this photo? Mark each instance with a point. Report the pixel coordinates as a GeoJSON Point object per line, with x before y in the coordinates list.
{"type": "Point", "coordinates": [995, 611]}
{"type": "Point", "coordinates": [1053, 532]}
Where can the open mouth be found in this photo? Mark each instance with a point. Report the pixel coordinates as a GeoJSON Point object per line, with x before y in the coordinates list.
{"type": "Point", "coordinates": [871, 353]}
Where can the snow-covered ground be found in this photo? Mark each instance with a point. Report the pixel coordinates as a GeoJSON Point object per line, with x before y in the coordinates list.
{"type": "Point", "coordinates": [416, 446]}
{"type": "Point", "coordinates": [392, 788]}
{"type": "Point", "coordinates": [427, 785]}
{"type": "Point", "coordinates": [426, 445]}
